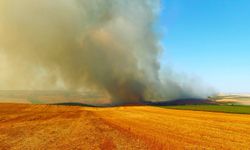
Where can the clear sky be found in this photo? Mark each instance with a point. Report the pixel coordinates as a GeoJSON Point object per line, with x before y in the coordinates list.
{"type": "Point", "coordinates": [209, 39]}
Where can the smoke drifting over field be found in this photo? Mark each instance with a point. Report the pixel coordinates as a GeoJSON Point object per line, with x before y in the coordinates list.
{"type": "Point", "coordinates": [107, 46]}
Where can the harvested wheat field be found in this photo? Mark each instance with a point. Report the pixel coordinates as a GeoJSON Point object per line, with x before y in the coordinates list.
{"type": "Point", "coordinates": [132, 127]}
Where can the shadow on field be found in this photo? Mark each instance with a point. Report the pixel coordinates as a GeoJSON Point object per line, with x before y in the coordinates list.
{"type": "Point", "coordinates": [74, 104]}
{"type": "Point", "coordinates": [145, 103]}
{"type": "Point", "coordinates": [192, 101]}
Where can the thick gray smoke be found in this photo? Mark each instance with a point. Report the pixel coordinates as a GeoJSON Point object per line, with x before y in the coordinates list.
{"type": "Point", "coordinates": [104, 45]}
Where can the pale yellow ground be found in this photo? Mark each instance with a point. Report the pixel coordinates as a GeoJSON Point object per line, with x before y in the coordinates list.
{"type": "Point", "coordinates": [232, 100]}
{"type": "Point", "coordinates": [136, 127]}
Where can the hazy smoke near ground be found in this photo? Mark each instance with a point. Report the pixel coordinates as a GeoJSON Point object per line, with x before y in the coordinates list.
{"type": "Point", "coordinates": [109, 46]}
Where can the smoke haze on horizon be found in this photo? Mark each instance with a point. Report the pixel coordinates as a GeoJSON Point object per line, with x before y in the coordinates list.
{"type": "Point", "coordinates": [106, 46]}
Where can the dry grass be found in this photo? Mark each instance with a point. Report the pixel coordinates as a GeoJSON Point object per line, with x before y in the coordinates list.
{"type": "Point", "coordinates": [236, 99]}
{"type": "Point", "coordinates": [141, 127]}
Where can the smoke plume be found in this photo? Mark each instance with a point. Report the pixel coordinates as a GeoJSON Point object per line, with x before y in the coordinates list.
{"type": "Point", "coordinates": [107, 46]}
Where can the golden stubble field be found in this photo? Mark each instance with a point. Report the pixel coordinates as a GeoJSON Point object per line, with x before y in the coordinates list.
{"type": "Point", "coordinates": [25, 126]}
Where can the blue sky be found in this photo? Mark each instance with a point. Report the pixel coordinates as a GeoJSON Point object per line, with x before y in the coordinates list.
{"type": "Point", "coordinates": [209, 39]}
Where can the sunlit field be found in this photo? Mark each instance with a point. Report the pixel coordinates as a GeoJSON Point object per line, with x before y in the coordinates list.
{"type": "Point", "coordinates": [131, 127]}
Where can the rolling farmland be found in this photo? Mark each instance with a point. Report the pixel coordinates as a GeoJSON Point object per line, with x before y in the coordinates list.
{"type": "Point", "coordinates": [133, 127]}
